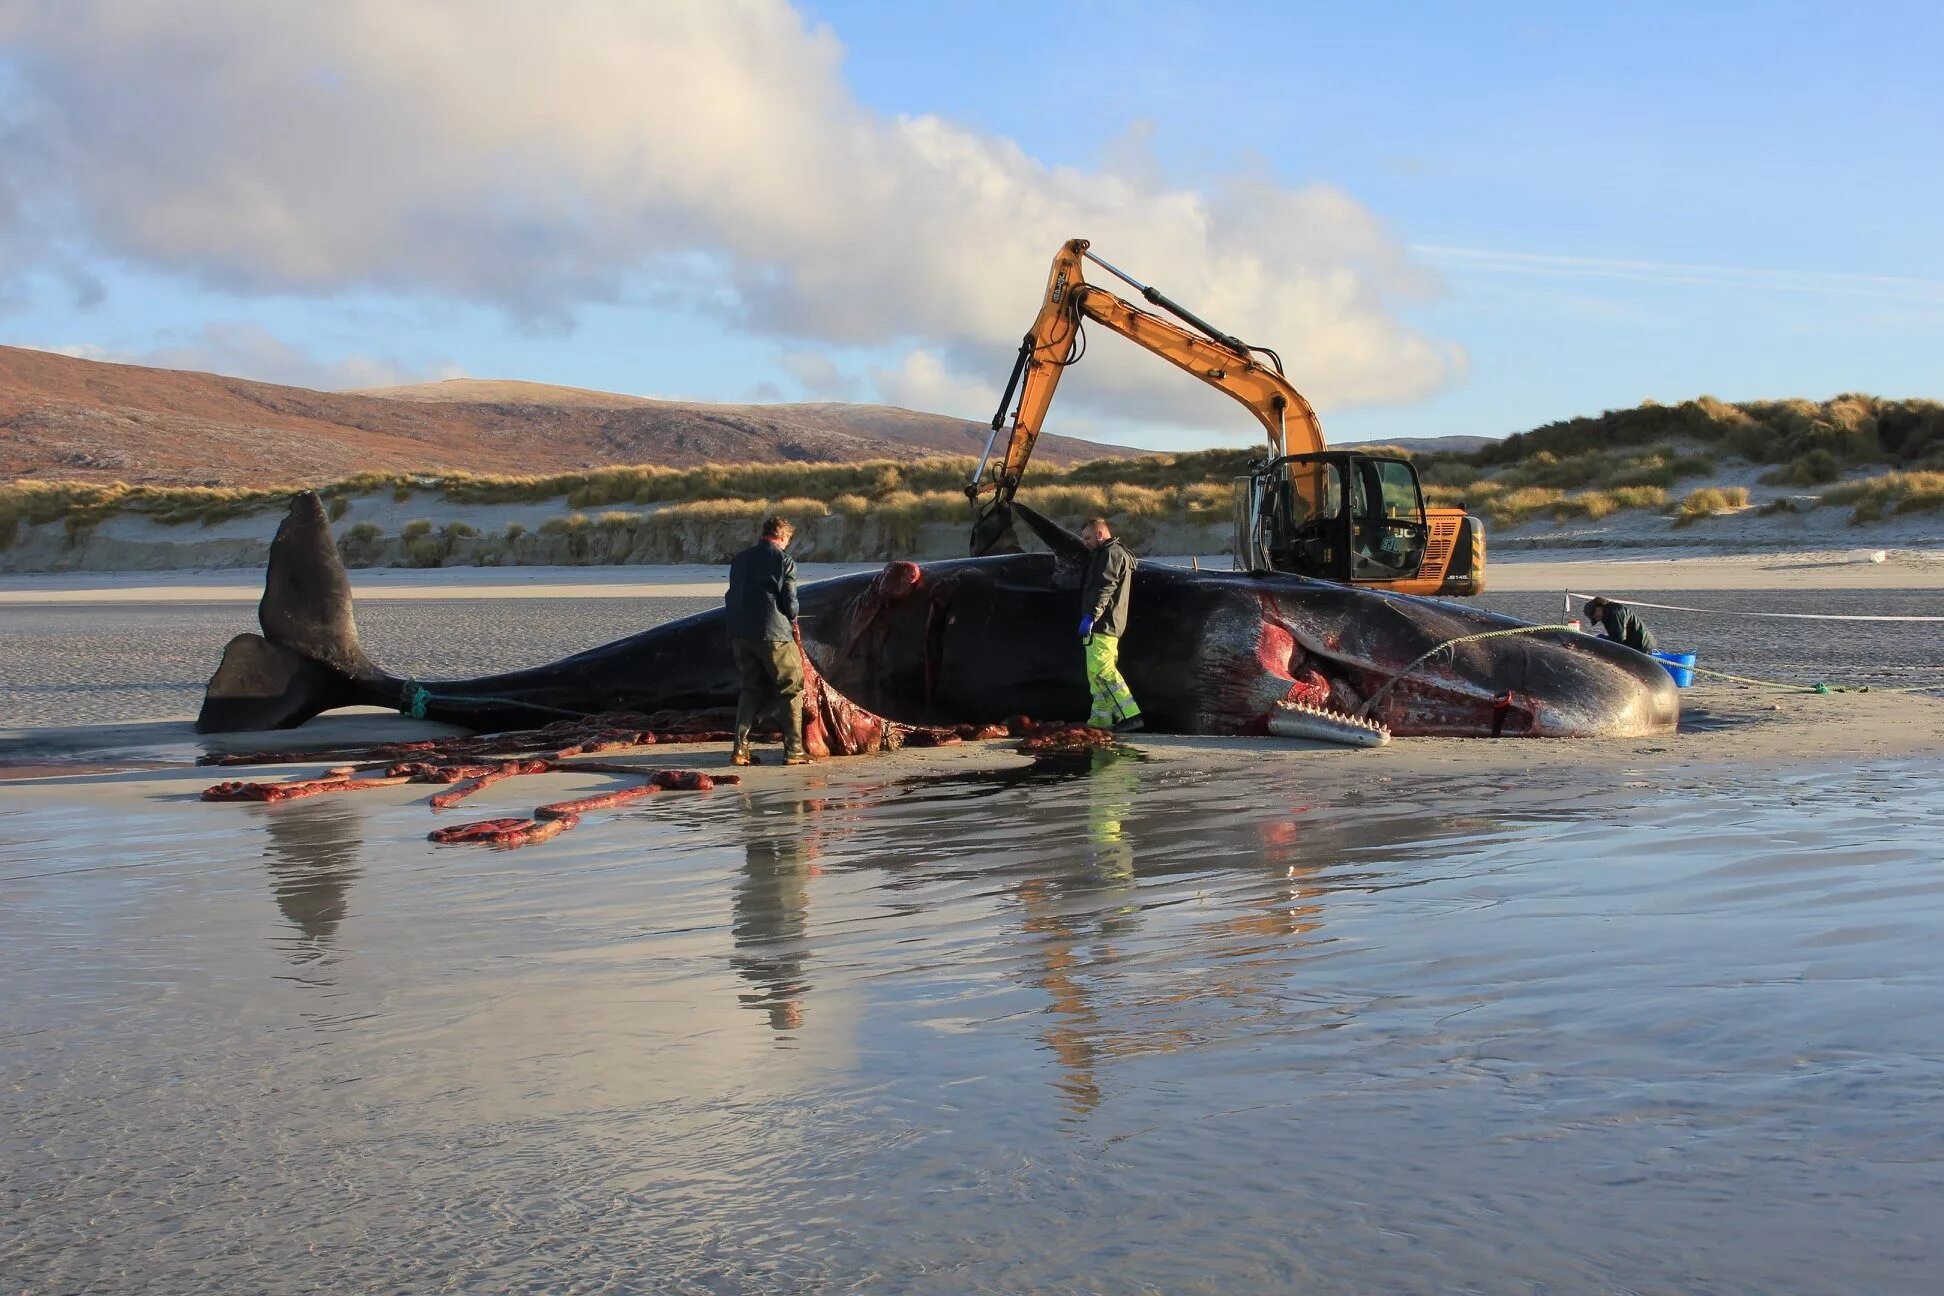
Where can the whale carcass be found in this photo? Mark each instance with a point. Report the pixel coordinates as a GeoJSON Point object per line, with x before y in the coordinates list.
{"type": "Point", "coordinates": [974, 641]}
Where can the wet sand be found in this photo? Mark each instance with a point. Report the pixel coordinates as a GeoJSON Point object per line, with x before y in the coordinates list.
{"type": "Point", "coordinates": [1655, 1015]}
{"type": "Point", "coordinates": [953, 1022]}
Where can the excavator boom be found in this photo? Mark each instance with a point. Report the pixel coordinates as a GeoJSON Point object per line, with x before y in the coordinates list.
{"type": "Point", "coordinates": [1223, 362]}
{"type": "Point", "coordinates": [1337, 515]}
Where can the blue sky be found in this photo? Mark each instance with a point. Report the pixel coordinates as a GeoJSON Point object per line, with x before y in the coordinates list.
{"type": "Point", "coordinates": [1450, 219]}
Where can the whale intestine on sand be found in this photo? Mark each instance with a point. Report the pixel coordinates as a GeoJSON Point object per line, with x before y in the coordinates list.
{"type": "Point", "coordinates": [974, 641]}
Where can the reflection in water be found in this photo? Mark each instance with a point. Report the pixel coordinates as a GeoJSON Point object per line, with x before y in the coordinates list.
{"type": "Point", "coordinates": [311, 852]}
{"type": "Point", "coordinates": [1277, 1027]}
{"type": "Point", "coordinates": [1062, 960]}
{"type": "Point", "coordinates": [772, 908]}
{"type": "Point", "coordinates": [1081, 913]}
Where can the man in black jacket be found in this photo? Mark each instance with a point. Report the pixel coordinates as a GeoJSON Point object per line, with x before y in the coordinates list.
{"type": "Point", "coordinates": [1621, 623]}
{"type": "Point", "coordinates": [1103, 620]}
{"type": "Point", "coordinates": [762, 610]}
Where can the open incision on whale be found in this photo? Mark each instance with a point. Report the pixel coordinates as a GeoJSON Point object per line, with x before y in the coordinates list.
{"type": "Point", "coordinates": [977, 640]}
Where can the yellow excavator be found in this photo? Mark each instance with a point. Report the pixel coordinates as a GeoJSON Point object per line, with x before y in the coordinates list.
{"type": "Point", "coordinates": [1330, 514]}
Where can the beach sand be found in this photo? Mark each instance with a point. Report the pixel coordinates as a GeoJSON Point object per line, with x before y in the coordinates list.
{"type": "Point", "coordinates": [1210, 1015]}
{"type": "Point", "coordinates": [1664, 570]}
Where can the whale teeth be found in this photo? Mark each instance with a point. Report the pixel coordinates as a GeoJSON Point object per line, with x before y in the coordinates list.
{"type": "Point", "coordinates": [1302, 720]}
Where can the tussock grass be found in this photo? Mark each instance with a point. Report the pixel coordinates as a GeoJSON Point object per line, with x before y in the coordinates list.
{"type": "Point", "coordinates": [1854, 428]}
{"type": "Point", "coordinates": [1511, 507]}
{"type": "Point", "coordinates": [1710, 501]}
{"type": "Point", "coordinates": [1875, 498]}
{"type": "Point", "coordinates": [1187, 468]}
{"type": "Point", "coordinates": [1639, 497]}
{"type": "Point", "coordinates": [1448, 470]}
{"type": "Point", "coordinates": [1206, 500]}
{"type": "Point", "coordinates": [83, 504]}
{"type": "Point", "coordinates": [1816, 468]}
{"type": "Point", "coordinates": [1587, 467]}
{"type": "Point", "coordinates": [361, 544]}
{"type": "Point", "coordinates": [1606, 469]}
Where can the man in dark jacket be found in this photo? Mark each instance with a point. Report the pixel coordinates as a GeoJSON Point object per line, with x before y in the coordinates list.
{"type": "Point", "coordinates": [1621, 623]}
{"type": "Point", "coordinates": [762, 610]}
{"type": "Point", "coordinates": [1103, 620]}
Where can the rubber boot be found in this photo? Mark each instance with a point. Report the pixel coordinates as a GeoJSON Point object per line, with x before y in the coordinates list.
{"type": "Point", "coordinates": [793, 749]}
{"type": "Point", "coordinates": [746, 709]}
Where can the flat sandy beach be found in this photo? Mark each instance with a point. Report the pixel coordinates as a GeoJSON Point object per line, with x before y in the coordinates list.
{"type": "Point", "coordinates": [1671, 570]}
{"type": "Point", "coordinates": [1444, 1015]}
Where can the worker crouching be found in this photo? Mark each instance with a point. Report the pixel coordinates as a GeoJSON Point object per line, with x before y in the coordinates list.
{"type": "Point", "coordinates": [1620, 623]}
{"type": "Point", "coordinates": [761, 608]}
{"type": "Point", "coordinates": [1103, 620]}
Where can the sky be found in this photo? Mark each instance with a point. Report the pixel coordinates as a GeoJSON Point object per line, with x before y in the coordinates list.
{"type": "Point", "coordinates": [1447, 219]}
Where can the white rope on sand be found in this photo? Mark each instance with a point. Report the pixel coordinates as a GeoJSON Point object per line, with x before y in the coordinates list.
{"type": "Point", "coordinates": [1780, 616]}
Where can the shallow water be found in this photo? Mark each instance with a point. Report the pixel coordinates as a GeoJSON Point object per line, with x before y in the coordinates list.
{"type": "Point", "coordinates": [1143, 1026]}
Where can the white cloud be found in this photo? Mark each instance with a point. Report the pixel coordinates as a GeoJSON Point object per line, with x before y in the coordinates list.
{"type": "Point", "coordinates": [1822, 283]}
{"type": "Point", "coordinates": [924, 382]}
{"type": "Point", "coordinates": [706, 153]}
{"type": "Point", "coordinates": [820, 377]}
{"type": "Point", "coordinates": [246, 350]}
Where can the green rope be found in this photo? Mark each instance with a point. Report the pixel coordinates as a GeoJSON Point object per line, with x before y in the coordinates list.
{"type": "Point", "coordinates": [418, 700]}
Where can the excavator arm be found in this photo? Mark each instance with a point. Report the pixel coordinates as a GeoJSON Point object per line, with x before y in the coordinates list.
{"type": "Point", "coordinates": [1224, 362]}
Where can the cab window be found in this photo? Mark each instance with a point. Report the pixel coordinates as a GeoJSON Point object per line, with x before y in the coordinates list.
{"type": "Point", "coordinates": [1388, 532]}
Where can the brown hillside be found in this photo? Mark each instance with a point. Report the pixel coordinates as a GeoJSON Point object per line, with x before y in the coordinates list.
{"type": "Point", "coordinates": [85, 420]}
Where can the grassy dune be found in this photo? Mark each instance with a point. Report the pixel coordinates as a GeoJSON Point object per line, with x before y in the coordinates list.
{"type": "Point", "coordinates": [1584, 468]}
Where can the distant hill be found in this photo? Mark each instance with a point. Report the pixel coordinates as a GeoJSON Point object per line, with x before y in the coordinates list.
{"type": "Point", "coordinates": [85, 420]}
{"type": "Point", "coordinates": [1424, 445]}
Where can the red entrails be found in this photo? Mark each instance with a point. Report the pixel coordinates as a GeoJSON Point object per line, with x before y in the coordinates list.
{"type": "Point", "coordinates": [484, 778]}
{"type": "Point", "coordinates": [292, 791]}
{"type": "Point", "coordinates": [505, 832]}
{"type": "Point", "coordinates": [1066, 739]}
{"type": "Point", "coordinates": [599, 801]}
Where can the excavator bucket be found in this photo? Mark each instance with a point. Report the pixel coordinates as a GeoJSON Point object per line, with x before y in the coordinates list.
{"type": "Point", "coordinates": [992, 531]}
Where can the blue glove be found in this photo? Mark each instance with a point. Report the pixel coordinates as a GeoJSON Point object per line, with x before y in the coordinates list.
{"type": "Point", "coordinates": [1086, 626]}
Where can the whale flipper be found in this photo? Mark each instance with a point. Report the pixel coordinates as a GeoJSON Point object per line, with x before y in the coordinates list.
{"type": "Point", "coordinates": [308, 659]}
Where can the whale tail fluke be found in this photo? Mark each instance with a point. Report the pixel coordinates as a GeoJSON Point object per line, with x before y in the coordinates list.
{"type": "Point", "coordinates": [307, 660]}
{"type": "Point", "coordinates": [1070, 552]}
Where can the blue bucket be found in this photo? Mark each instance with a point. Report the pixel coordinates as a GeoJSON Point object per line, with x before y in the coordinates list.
{"type": "Point", "coordinates": [1680, 666]}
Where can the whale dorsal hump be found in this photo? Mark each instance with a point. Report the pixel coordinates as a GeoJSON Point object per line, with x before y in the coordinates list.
{"type": "Point", "coordinates": [1070, 552]}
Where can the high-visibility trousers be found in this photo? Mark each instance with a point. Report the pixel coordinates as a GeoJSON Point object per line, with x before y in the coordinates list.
{"type": "Point", "coordinates": [1112, 702]}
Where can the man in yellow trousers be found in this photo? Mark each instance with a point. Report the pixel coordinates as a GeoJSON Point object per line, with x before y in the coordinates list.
{"type": "Point", "coordinates": [1103, 620]}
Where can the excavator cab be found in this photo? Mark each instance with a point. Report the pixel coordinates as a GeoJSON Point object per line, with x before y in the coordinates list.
{"type": "Point", "coordinates": [1334, 515]}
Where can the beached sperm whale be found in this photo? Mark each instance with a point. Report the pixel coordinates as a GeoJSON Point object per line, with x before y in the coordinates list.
{"type": "Point", "coordinates": [977, 640]}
